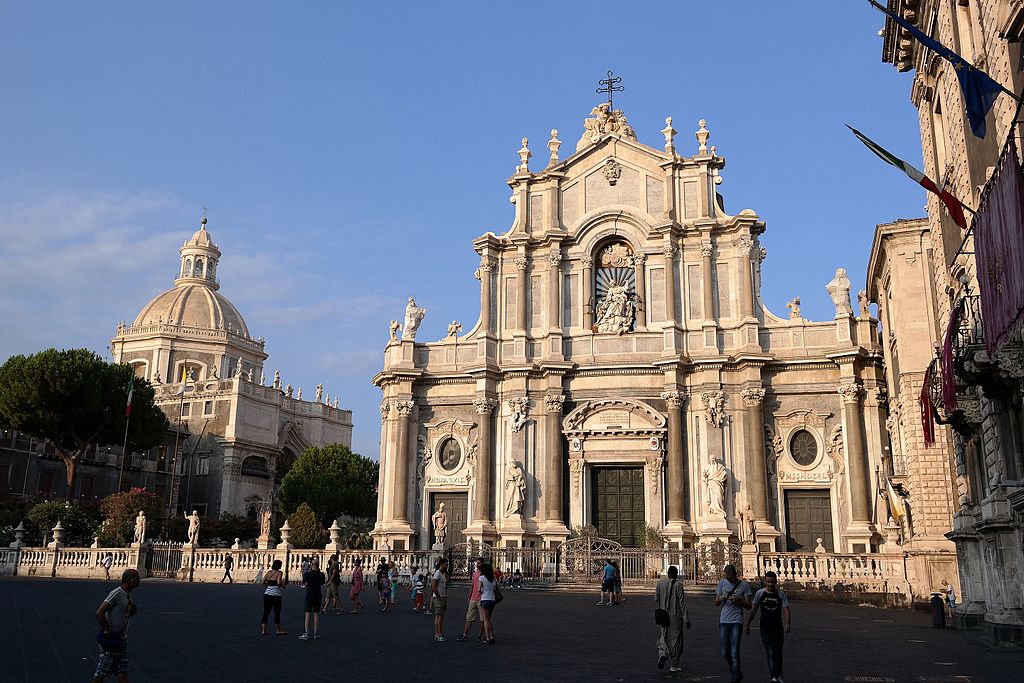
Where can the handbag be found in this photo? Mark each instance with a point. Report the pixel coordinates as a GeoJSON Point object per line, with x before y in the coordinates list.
{"type": "Point", "coordinates": [661, 617]}
{"type": "Point", "coordinates": [111, 643]}
{"type": "Point", "coordinates": [498, 597]}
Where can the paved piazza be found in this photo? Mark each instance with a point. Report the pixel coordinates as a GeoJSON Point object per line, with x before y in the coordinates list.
{"type": "Point", "coordinates": [207, 632]}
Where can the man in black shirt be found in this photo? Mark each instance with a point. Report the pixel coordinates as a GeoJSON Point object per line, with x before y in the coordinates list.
{"type": "Point", "coordinates": [313, 580]}
{"type": "Point", "coordinates": [774, 606]}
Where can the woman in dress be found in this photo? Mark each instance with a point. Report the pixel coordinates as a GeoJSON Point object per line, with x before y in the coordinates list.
{"type": "Point", "coordinates": [488, 598]}
{"type": "Point", "coordinates": [357, 587]}
{"type": "Point", "coordinates": [274, 582]}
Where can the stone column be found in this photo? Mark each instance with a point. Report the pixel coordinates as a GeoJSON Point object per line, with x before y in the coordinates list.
{"type": "Point", "coordinates": [483, 494]}
{"type": "Point", "coordinates": [641, 289]}
{"type": "Point", "coordinates": [554, 287]}
{"type": "Point", "coordinates": [522, 283]}
{"type": "Point", "coordinates": [856, 457]}
{"type": "Point", "coordinates": [400, 463]}
{"type": "Point", "coordinates": [483, 273]}
{"type": "Point", "coordinates": [706, 250]}
{"type": "Point", "coordinates": [588, 292]}
{"type": "Point", "coordinates": [669, 252]}
{"type": "Point", "coordinates": [746, 277]}
{"type": "Point", "coordinates": [553, 458]}
{"type": "Point", "coordinates": [757, 482]}
{"type": "Point", "coordinates": [675, 471]}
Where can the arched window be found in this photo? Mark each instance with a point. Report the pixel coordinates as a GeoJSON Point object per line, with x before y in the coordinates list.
{"type": "Point", "coordinates": [211, 270]}
{"type": "Point", "coordinates": [614, 289]}
{"type": "Point", "coordinates": [187, 270]}
{"type": "Point", "coordinates": [199, 267]}
{"type": "Point", "coordinates": [255, 466]}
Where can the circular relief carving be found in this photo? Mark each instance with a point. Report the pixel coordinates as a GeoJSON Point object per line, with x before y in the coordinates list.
{"type": "Point", "coordinates": [803, 448]}
{"type": "Point", "coordinates": [450, 454]}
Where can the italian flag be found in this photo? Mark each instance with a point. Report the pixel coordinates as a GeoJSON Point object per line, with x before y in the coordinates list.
{"type": "Point", "coordinates": [131, 391]}
{"type": "Point", "coordinates": [952, 204]}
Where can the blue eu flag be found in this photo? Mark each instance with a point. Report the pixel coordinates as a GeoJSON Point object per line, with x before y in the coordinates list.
{"type": "Point", "coordinates": [978, 88]}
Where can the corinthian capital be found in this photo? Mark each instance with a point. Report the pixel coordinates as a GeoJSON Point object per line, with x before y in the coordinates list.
{"type": "Point", "coordinates": [484, 406]}
{"type": "Point", "coordinates": [521, 262]}
{"type": "Point", "coordinates": [668, 251]}
{"type": "Point", "coordinates": [553, 402]}
{"type": "Point", "coordinates": [486, 264]}
{"type": "Point", "coordinates": [385, 410]}
{"type": "Point", "coordinates": [404, 408]}
{"type": "Point", "coordinates": [753, 396]}
{"type": "Point", "coordinates": [587, 261]}
{"type": "Point", "coordinates": [706, 250]}
{"type": "Point", "coordinates": [852, 392]}
{"type": "Point", "coordinates": [674, 399]}
{"type": "Point", "coordinates": [639, 260]}
{"type": "Point", "coordinates": [555, 258]}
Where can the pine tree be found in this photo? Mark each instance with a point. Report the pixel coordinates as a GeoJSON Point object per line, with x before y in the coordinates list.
{"type": "Point", "coordinates": [306, 531]}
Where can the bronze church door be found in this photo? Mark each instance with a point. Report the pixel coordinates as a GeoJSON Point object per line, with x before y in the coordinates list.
{"type": "Point", "coordinates": [455, 506]}
{"type": "Point", "coordinates": [808, 518]}
{"type": "Point", "coordinates": [617, 504]}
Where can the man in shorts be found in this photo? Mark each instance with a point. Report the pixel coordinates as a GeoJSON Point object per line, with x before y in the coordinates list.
{"type": "Point", "coordinates": [113, 615]}
{"type": "Point", "coordinates": [333, 584]}
{"type": "Point", "coordinates": [608, 583]}
{"type": "Point", "coordinates": [473, 613]}
{"type": "Point", "coordinates": [439, 595]}
{"type": "Point", "coordinates": [313, 581]}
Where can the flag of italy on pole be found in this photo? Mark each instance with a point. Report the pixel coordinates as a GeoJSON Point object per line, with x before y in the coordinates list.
{"type": "Point", "coordinates": [953, 205]}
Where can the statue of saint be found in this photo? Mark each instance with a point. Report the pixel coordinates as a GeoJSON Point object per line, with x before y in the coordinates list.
{"type": "Point", "coordinates": [413, 317]}
{"type": "Point", "coordinates": [263, 378]}
{"type": "Point", "coordinates": [839, 290]}
{"type": "Point", "coordinates": [288, 390]}
{"type": "Point", "coordinates": [515, 488]}
{"type": "Point", "coordinates": [394, 328]}
{"type": "Point", "coordinates": [319, 393]}
{"type": "Point", "coordinates": [615, 312]}
{"type": "Point", "coordinates": [864, 304]}
{"type": "Point", "coordinates": [440, 522]}
{"type": "Point", "coordinates": [277, 379]}
{"type": "Point", "coordinates": [265, 521]}
{"type": "Point", "coordinates": [238, 370]}
{"type": "Point", "coordinates": [715, 477]}
{"type": "Point", "coordinates": [140, 528]}
{"type": "Point", "coordinates": [193, 528]}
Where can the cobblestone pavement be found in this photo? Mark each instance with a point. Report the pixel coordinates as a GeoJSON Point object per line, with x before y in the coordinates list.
{"type": "Point", "coordinates": [209, 632]}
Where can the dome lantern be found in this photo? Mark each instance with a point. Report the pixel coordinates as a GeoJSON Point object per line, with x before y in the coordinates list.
{"type": "Point", "coordinates": [199, 259]}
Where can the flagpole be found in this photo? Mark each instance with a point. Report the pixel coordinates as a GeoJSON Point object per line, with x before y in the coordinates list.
{"type": "Point", "coordinates": [124, 451]}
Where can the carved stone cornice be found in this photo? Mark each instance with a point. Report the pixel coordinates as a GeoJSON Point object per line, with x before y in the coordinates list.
{"type": "Point", "coordinates": [404, 408]}
{"type": "Point", "coordinates": [706, 250]}
{"type": "Point", "coordinates": [753, 397]}
{"type": "Point", "coordinates": [674, 399]}
{"type": "Point", "coordinates": [555, 259]}
{"type": "Point", "coordinates": [484, 406]}
{"type": "Point", "coordinates": [553, 403]}
{"type": "Point", "coordinates": [521, 262]}
{"type": "Point", "coordinates": [852, 392]}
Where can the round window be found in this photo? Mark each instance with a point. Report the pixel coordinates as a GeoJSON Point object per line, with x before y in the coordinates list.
{"type": "Point", "coordinates": [803, 447]}
{"type": "Point", "coordinates": [450, 454]}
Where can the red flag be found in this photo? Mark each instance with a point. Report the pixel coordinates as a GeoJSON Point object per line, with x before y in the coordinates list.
{"type": "Point", "coordinates": [926, 408]}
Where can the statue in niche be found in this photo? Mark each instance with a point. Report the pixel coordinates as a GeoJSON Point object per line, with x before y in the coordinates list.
{"type": "Point", "coordinates": [616, 311]}
{"type": "Point", "coordinates": [319, 393]}
{"type": "Point", "coordinates": [440, 522]}
{"type": "Point", "coordinates": [193, 528]}
{"type": "Point", "coordinates": [394, 328]}
{"type": "Point", "coordinates": [515, 488]}
{"type": "Point", "coordinates": [140, 528]}
{"type": "Point", "coordinates": [864, 304]}
{"type": "Point", "coordinates": [413, 317]}
{"type": "Point", "coordinates": [839, 290]}
{"type": "Point", "coordinates": [715, 476]}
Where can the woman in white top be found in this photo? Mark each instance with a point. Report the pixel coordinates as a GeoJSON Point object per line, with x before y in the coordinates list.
{"type": "Point", "coordinates": [272, 597]}
{"type": "Point", "coordinates": [488, 598]}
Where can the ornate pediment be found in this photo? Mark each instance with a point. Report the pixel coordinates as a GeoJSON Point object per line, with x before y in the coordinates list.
{"type": "Point", "coordinates": [614, 416]}
{"type": "Point", "coordinates": [435, 431]}
{"type": "Point", "coordinates": [801, 419]}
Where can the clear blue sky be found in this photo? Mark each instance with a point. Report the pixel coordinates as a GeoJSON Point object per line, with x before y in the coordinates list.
{"type": "Point", "coordinates": [350, 152]}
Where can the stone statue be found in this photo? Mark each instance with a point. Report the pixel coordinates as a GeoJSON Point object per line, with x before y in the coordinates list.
{"type": "Point", "coordinates": [288, 391]}
{"type": "Point", "coordinates": [319, 393]}
{"type": "Point", "coordinates": [413, 318]}
{"type": "Point", "coordinates": [440, 522]}
{"type": "Point", "coordinates": [249, 374]}
{"type": "Point", "coordinates": [616, 311]}
{"type": "Point", "coordinates": [714, 407]}
{"type": "Point", "coordinates": [794, 308]}
{"type": "Point", "coordinates": [277, 379]}
{"type": "Point", "coordinates": [140, 528]}
{"type": "Point", "coordinates": [395, 327]}
{"type": "Point", "coordinates": [839, 290]}
{"type": "Point", "coordinates": [864, 304]}
{"type": "Point", "coordinates": [747, 525]}
{"type": "Point", "coordinates": [605, 121]}
{"type": "Point", "coordinates": [265, 516]}
{"type": "Point", "coordinates": [715, 477]}
{"type": "Point", "coordinates": [515, 488]}
{"type": "Point", "coordinates": [298, 394]}
{"type": "Point", "coordinates": [238, 370]}
{"type": "Point", "coordinates": [454, 327]}
{"type": "Point", "coordinates": [519, 407]}
{"type": "Point", "coordinates": [263, 378]}
{"type": "Point", "coordinates": [335, 404]}
{"type": "Point", "coordinates": [193, 528]}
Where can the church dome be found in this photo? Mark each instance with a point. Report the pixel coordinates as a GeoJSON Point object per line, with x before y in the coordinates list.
{"type": "Point", "coordinates": [193, 305]}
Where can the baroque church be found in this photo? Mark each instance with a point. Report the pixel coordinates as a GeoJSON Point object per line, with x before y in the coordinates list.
{"type": "Point", "coordinates": [624, 373]}
{"type": "Point", "coordinates": [239, 430]}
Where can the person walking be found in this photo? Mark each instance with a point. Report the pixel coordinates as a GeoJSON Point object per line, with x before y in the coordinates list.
{"type": "Point", "coordinates": [418, 586]}
{"type": "Point", "coordinates": [774, 607]}
{"type": "Point", "coordinates": [950, 595]}
{"type": "Point", "coordinates": [671, 600]}
{"type": "Point", "coordinates": [357, 587]}
{"type": "Point", "coordinates": [113, 616]}
{"type": "Point", "coordinates": [333, 583]}
{"type": "Point", "coordinates": [229, 563]}
{"type": "Point", "coordinates": [439, 596]}
{"type": "Point", "coordinates": [313, 580]}
{"type": "Point", "coordinates": [473, 611]}
{"type": "Point", "coordinates": [733, 595]}
{"type": "Point", "coordinates": [617, 578]}
{"type": "Point", "coordinates": [607, 583]}
{"type": "Point", "coordinates": [393, 577]}
{"type": "Point", "coordinates": [273, 595]}
{"type": "Point", "coordinates": [108, 562]}
{"type": "Point", "coordinates": [489, 591]}
{"type": "Point", "coordinates": [382, 573]}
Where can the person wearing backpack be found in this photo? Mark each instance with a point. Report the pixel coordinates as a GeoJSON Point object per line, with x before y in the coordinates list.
{"type": "Point", "coordinates": [671, 616]}
{"type": "Point", "coordinates": [733, 595]}
{"type": "Point", "coordinates": [113, 615]}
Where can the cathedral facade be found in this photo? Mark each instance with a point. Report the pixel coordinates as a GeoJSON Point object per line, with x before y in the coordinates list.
{"type": "Point", "coordinates": [240, 430]}
{"type": "Point", "coordinates": [625, 374]}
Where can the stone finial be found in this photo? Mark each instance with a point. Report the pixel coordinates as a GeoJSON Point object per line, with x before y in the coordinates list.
{"type": "Point", "coordinates": [335, 532]}
{"type": "Point", "coordinates": [819, 548]}
{"type": "Point", "coordinates": [524, 157]}
{"type": "Point", "coordinates": [702, 137]}
{"type": "Point", "coordinates": [553, 144]}
{"type": "Point", "coordinates": [19, 535]}
{"type": "Point", "coordinates": [286, 532]}
{"type": "Point", "coordinates": [670, 135]}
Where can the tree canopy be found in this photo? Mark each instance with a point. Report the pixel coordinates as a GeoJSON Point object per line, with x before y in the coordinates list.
{"type": "Point", "coordinates": [306, 531]}
{"type": "Point", "coordinates": [119, 511]}
{"type": "Point", "coordinates": [74, 399]}
{"type": "Point", "coordinates": [334, 481]}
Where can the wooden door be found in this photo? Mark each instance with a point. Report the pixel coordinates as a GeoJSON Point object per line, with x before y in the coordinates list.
{"type": "Point", "coordinates": [618, 504]}
{"type": "Point", "coordinates": [808, 518]}
{"type": "Point", "coordinates": [456, 506]}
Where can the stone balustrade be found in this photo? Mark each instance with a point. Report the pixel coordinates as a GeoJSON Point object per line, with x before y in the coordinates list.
{"type": "Point", "coordinates": [871, 572]}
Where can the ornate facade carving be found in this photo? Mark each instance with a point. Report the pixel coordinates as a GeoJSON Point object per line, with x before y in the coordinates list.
{"type": "Point", "coordinates": [553, 402]}
{"type": "Point", "coordinates": [707, 249]}
{"type": "Point", "coordinates": [555, 259]}
{"type": "Point", "coordinates": [587, 261]}
{"type": "Point", "coordinates": [484, 406]}
{"type": "Point", "coordinates": [612, 171]}
{"type": "Point", "coordinates": [520, 408]}
{"type": "Point", "coordinates": [576, 467]}
{"type": "Point", "coordinates": [674, 399]}
{"type": "Point", "coordinates": [654, 466]}
{"type": "Point", "coordinates": [404, 408]}
{"type": "Point", "coordinates": [714, 407]}
{"type": "Point", "coordinates": [604, 121]}
{"type": "Point", "coordinates": [753, 397]}
{"type": "Point", "coordinates": [852, 392]}
{"type": "Point", "coordinates": [385, 410]}
{"type": "Point", "coordinates": [522, 262]}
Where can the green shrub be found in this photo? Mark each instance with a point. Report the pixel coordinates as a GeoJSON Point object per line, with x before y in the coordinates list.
{"type": "Point", "coordinates": [119, 512]}
{"type": "Point", "coordinates": [306, 531]}
{"type": "Point", "coordinates": [79, 522]}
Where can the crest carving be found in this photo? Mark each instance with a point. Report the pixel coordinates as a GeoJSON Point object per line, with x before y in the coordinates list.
{"type": "Point", "coordinates": [604, 121]}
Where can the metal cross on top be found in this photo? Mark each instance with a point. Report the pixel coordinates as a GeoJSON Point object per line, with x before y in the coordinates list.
{"type": "Point", "coordinates": [610, 85]}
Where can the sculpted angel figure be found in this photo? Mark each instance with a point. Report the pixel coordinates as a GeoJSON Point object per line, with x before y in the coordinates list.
{"type": "Point", "coordinates": [413, 318]}
{"type": "Point", "coordinates": [394, 328]}
{"type": "Point", "coordinates": [454, 327]}
{"type": "Point", "coordinates": [839, 290]}
{"type": "Point", "coordinates": [615, 312]}
{"type": "Point", "coordinates": [715, 477]}
{"type": "Point", "coordinates": [515, 488]}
